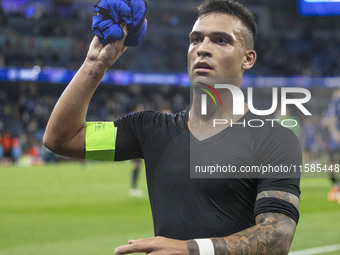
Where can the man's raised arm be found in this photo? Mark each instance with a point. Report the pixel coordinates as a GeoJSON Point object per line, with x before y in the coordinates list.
{"type": "Point", "coordinates": [65, 131]}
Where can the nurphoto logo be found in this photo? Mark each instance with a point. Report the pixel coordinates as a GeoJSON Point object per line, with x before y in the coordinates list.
{"type": "Point", "coordinates": [204, 96]}
{"type": "Point", "coordinates": [238, 104]}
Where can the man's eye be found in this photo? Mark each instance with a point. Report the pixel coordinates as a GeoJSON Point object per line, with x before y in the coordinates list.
{"type": "Point", "coordinates": [221, 41]}
{"type": "Point", "coordinates": [195, 40]}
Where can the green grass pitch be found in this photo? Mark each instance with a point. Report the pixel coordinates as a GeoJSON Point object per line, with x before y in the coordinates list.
{"type": "Point", "coordinates": [72, 208]}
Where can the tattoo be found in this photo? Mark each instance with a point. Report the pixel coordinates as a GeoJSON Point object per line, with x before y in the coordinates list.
{"type": "Point", "coordinates": [93, 75]}
{"type": "Point", "coordinates": [273, 234]}
{"type": "Point", "coordinates": [220, 246]}
{"type": "Point", "coordinates": [280, 195]}
{"type": "Point", "coordinates": [193, 247]}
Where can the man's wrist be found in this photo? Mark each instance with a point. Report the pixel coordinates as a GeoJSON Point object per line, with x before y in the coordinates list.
{"type": "Point", "coordinates": [94, 69]}
{"type": "Point", "coordinates": [204, 246]}
{"type": "Point", "coordinates": [193, 247]}
{"type": "Point", "coordinates": [98, 66]}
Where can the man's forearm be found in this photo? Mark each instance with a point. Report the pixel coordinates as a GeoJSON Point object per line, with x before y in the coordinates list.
{"type": "Point", "coordinates": [272, 235]}
{"type": "Point", "coordinates": [65, 131]}
{"type": "Point", "coordinates": [69, 114]}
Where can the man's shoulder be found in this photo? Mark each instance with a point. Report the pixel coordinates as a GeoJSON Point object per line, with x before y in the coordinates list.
{"type": "Point", "coordinates": [269, 135]}
{"type": "Point", "coordinates": [266, 125]}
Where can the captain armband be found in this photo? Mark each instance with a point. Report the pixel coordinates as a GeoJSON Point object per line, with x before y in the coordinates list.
{"type": "Point", "coordinates": [100, 141]}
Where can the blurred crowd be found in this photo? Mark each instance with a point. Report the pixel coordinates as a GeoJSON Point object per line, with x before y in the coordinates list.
{"type": "Point", "coordinates": [59, 38]}
{"type": "Point", "coordinates": [26, 107]}
{"type": "Point", "coordinates": [57, 33]}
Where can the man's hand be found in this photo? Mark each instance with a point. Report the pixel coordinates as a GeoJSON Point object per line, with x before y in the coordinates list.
{"type": "Point", "coordinates": [107, 55]}
{"type": "Point", "coordinates": [155, 245]}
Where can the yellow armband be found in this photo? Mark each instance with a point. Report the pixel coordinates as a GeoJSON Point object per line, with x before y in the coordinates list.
{"type": "Point", "coordinates": [100, 141]}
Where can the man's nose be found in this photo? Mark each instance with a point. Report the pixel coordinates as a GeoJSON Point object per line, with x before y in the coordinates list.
{"type": "Point", "coordinates": [204, 48]}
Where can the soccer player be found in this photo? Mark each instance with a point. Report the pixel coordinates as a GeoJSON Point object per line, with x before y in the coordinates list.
{"type": "Point", "coordinates": [193, 215]}
{"type": "Point", "coordinates": [331, 120]}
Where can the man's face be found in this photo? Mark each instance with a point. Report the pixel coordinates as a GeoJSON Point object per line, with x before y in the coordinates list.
{"type": "Point", "coordinates": [217, 47]}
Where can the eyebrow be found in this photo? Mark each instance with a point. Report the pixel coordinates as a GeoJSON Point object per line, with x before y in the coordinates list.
{"type": "Point", "coordinates": [214, 34]}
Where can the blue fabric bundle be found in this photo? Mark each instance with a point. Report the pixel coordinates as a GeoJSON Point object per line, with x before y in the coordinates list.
{"type": "Point", "coordinates": [111, 13]}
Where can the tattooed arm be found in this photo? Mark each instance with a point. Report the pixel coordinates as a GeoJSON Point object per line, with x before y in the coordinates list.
{"type": "Point", "coordinates": [65, 131]}
{"type": "Point", "coordinates": [272, 234]}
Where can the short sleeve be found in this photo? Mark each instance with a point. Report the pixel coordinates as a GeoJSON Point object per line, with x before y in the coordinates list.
{"type": "Point", "coordinates": [132, 131]}
{"type": "Point", "coordinates": [280, 150]}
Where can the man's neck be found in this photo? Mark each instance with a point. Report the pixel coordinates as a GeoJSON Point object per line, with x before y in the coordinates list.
{"type": "Point", "coordinates": [203, 126]}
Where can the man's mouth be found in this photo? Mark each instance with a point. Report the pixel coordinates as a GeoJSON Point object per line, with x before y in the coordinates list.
{"type": "Point", "coordinates": [203, 66]}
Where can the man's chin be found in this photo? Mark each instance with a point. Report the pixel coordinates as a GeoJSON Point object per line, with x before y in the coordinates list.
{"type": "Point", "coordinates": [198, 80]}
{"type": "Point", "coordinates": [212, 80]}
{"type": "Point", "coordinates": [202, 79]}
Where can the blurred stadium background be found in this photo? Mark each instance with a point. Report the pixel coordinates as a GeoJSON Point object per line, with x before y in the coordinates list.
{"type": "Point", "coordinates": [52, 205]}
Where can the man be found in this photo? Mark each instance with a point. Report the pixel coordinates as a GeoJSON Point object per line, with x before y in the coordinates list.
{"type": "Point", "coordinates": [331, 121]}
{"type": "Point", "coordinates": [224, 216]}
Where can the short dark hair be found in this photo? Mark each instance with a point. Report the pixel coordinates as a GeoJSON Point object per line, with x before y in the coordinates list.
{"type": "Point", "coordinates": [232, 8]}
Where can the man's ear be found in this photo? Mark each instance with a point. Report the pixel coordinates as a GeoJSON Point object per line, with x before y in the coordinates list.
{"type": "Point", "coordinates": [249, 59]}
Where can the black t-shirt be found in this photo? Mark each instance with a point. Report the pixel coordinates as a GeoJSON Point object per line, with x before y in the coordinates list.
{"type": "Point", "coordinates": [186, 208]}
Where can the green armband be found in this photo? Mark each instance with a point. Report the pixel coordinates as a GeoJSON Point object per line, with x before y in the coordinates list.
{"type": "Point", "coordinates": [100, 141]}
